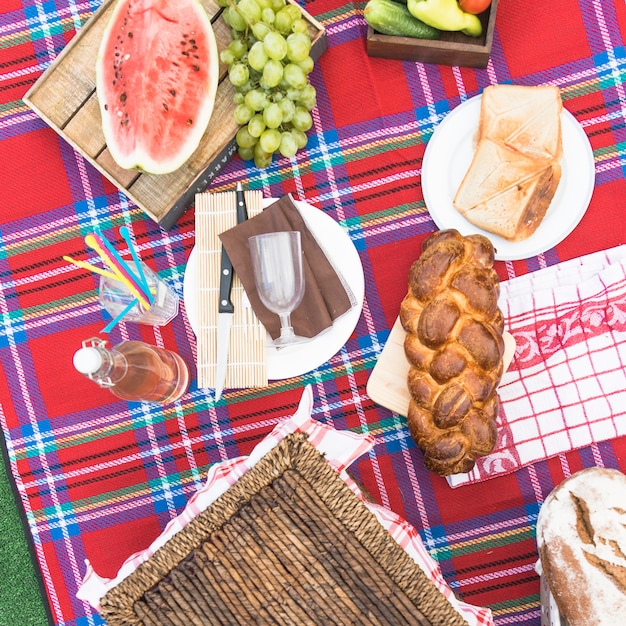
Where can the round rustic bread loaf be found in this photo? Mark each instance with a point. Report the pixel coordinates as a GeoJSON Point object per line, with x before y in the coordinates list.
{"type": "Point", "coordinates": [581, 536]}
{"type": "Point", "coordinates": [454, 347]}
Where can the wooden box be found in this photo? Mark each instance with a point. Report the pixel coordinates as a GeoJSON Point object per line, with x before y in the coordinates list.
{"type": "Point", "coordinates": [454, 48]}
{"type": "Point", "coordinates": [65, 97]}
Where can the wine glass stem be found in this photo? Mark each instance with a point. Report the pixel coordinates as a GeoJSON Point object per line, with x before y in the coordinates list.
{"type": "Point", "coordinates": [286, 330]}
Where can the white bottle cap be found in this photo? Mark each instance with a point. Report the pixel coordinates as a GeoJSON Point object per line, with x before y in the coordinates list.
{"type": "Point", "coordinates": [87, 360]}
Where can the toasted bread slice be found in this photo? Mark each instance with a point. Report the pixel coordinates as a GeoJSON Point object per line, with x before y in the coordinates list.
{"type": "Point", "coordinates": [523, 117]}
{"type": "Point", "coordinates": [505, 191]}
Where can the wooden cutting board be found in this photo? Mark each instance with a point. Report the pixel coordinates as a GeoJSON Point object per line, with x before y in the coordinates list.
{"type": "Point", "coordinates": [387, 384]}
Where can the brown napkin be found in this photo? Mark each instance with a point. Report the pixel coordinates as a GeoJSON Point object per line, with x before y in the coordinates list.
{"type": "Point", "coordinates": [325, 297]}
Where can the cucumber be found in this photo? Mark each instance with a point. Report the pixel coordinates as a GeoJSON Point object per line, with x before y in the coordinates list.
{"type": "Point", "coordinates": [392, 18]}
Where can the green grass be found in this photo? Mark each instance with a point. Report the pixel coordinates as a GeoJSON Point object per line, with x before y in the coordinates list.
{"type": "Point", "coordinates": [21, 602]}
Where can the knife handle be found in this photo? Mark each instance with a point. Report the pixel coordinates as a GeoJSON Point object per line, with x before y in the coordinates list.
{"type": "Point", "coordinates": [226, 284]}
{"type": "Point", "coordinates": [242, 211]}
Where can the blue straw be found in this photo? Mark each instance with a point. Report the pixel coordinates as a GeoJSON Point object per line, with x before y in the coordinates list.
{"type": "Point", "coordinates": [129, 242]}
{"type": "Point", "coordinates": [118, 318]}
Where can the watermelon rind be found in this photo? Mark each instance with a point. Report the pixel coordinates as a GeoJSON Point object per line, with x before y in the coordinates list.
{"type": "Point", "coordinates": [157, 72]}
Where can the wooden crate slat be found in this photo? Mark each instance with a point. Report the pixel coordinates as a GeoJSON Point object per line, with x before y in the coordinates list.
{"type": "Point", "coordinates": [121, 177]}
{"type": "Point", "coordinates": [85, 129]}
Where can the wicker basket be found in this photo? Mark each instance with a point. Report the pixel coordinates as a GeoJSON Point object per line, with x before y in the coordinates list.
{"type": "Point", "coordinates": [289, 543]}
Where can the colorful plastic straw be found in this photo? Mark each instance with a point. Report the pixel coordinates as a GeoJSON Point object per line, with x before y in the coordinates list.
{"type": "Point", "coordinates": [144, 281]}
{"type": "Point", "coordinates": [91, 268]}
{"type": "Point", "coordinates": [118, 269]}
{"type": "Point", "coordinates": [118, 318]}
{"type": "Point", "coordinates": [118, 266]}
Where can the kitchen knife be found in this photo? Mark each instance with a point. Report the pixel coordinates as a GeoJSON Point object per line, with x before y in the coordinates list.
{"type": "Point", "coordinates": [226, 309]}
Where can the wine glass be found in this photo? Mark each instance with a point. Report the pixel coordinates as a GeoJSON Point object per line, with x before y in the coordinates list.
{"type": "Point", "coordinates": [279, 277]}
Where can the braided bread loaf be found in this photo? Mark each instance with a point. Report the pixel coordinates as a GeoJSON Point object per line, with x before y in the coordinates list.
{"type": "Point", "coordinates": [454, 346]}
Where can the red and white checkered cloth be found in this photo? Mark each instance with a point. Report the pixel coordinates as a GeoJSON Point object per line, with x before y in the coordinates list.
{"type": "Point", "coordinates": [340, 449]}
{"type": "Point", "coordinates": [566, 386]}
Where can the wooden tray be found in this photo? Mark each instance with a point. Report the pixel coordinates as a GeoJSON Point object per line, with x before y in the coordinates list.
{"type": "Point", "coordinates": [64, 96]}
{"type": "Point", "coordinates": [451, 49]}
{"type": "Point", "coordinates": [387, 384]}
{"type": "Point", "coordinates": [289, 543]}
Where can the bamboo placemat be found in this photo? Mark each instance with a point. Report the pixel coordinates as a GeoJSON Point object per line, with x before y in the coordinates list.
{"type": "Point", "coordinates": [215, 213]}
{"type": "Point", "coordinates": [288, 544]}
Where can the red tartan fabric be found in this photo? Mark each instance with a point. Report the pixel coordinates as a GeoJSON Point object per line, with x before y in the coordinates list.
{"type": "Point", "coordinates": [100, 478]}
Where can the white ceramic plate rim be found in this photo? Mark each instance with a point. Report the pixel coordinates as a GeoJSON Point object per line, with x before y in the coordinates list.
{"type": "Point", "coordinates": [448, 156]}
{"type": "Point", "coordinates": [302, 358]}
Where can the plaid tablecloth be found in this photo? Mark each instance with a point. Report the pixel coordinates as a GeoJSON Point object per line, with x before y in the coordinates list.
{"type": "Point", "coordinates": [100, 478]}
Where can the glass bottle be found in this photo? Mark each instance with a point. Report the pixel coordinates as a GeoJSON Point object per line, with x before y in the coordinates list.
{"type": "Point", "coordinates": [134, 370]}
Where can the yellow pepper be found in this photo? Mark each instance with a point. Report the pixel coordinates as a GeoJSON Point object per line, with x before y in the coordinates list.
{"type": "Point", "coordinates": [445, 15]}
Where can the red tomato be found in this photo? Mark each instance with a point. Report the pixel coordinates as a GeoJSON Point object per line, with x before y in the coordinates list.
{"type": "Point", "coordinates": [474, 6]}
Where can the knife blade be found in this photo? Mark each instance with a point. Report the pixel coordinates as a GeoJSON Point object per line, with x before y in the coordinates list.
{"type": "Point", "coordinates": [226, 310]}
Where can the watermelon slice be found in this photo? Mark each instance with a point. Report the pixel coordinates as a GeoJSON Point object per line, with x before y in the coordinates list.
{"type": "Point", "coordinates": [156, 79]}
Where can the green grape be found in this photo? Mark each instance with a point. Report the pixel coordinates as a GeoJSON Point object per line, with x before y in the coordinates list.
{"type": "Point", "coordinates": [265, 4]}
{"type": "Point", "coordinates": [223, 3]}
{"type": "Point", "coordinates": [294, 11]}
{"type": "Point", "coordinates": [256, 125]}
{"type": "Point", "coordinates": [257, 57]}
{"type": "Point", "coordinates": [260, 30]}
{"type": "Point", "coordinates": [238, 48]}
{"type": "Point", "coordinates": [250, 9]}
{"type": "Point", "coordinates": [275, 45]}
{"type": "Point", "coordinates": [256, 100]}
{"type": "Point", "coordinates": [238, 74]}
{"type": "Point", "coordinates": [234, 19]}
{"type": "Point", "coordinates": [283, 21]}
{"type": "Point", "coordinates": [270, 140]}
{"type": "Point", "coordinates": [288, 144]}
{"type": "Point", "coordinates": [243, 114]}
{"type": "Point", "coordinates": [273, 115]}
{"type": "Point", "coordinates": [247, 154]}
{"type": "Point", "coordinates": [300, 137]}
{"type": "Point", "coordinates": [307, 65]}
{"type": "Point", "coordinates": [245, 88]}
{"type": "Point", "coordinates": [307, 92]}
{"type": "Point", "coordinates": [302, 119]}
{"type": "Point", "coordinates": [294, 75]}
{"type": "Point", "coordinates": [238, 97]}
{"type": "Point", "coordinates": [292, 93]}
{"type": "Point", "coordinates": [288, 108]}
{"type": "Point", "coordinates": [227, 57]}
{"type": "Point", "coordinates": [244, 138]}
{"type": "Point", "coordinates": [300, 26]}
{"type": "Point", "coordinates": [268, 16]}
{"type": "Point", "coordinates": [273, 73]}
{"type": "Point", "coordinates": [277, 5]}
{"type": "Point", "coordinates": [308, 104]}
{"type": "Point", "coordinates": [262, 159]}
{"type": "Point", "coordinates": [308, 97]}
{"type": "Point", "coordinates": [298, 47]}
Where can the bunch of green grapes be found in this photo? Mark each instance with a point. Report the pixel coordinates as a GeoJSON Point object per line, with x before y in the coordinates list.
{"type": "Point", "coordinates": [268, 63]}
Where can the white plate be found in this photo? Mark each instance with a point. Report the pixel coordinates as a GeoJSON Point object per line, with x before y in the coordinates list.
{"type": "Point", "coordinates": [449, 154]}
{"type": "Point", "coordinates": [302, 358]}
